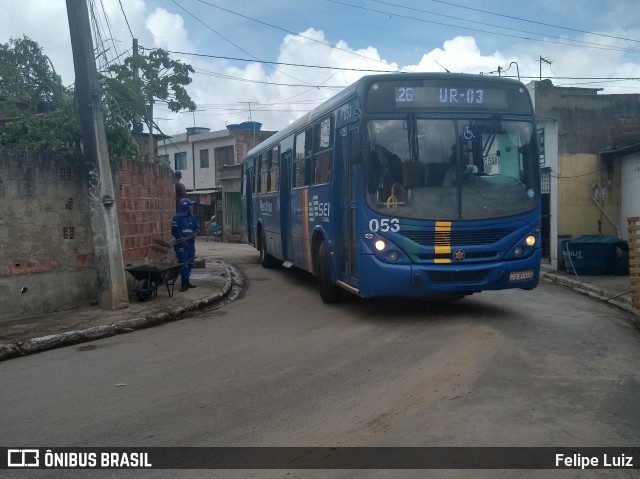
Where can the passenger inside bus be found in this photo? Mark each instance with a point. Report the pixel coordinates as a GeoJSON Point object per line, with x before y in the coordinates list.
{"type": "Point", "coordinates": [384, 172]}
{"type": "Point", "coordinates": [451, 176]}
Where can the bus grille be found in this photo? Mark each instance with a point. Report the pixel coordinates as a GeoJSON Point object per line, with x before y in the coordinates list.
{"type": "Point", "coordinates": [458, 276]}
{"type": "Point", "coordinates": [473, 255]}
{"type": "Point", "coordinates": [458, 238]}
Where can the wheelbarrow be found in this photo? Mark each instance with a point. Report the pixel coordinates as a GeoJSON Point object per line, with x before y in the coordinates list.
{"type": "Point", "coordinates": [150, 277]}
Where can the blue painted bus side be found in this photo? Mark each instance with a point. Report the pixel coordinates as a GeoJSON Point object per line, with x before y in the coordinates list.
{"type": "Point", "coordinates": [488, 254]}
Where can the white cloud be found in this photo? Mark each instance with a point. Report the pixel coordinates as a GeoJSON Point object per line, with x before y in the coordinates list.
{"type": "Point", "coordinates": [44, 22]}
{"type": "Point", "coordinates": [168, 31]}
{"type": "Point", "coordinates": [459, 55]}
{"type": "Point", "coordinates": [223, 100]}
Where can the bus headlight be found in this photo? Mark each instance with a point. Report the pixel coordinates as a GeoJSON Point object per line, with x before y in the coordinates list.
{"type": "Point", "coordinates": [393, 256]}
{"type": "Point", "coordinates": [380, 245]}
{"type": "Point", "coordinates": [530, 240]}
{"type": "Point", "coordinates": [518, 250]}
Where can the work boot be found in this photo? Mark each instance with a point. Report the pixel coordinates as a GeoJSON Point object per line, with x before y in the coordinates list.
{"type": "Point", "coordinates": [189, 285]}
{"type": "Point", "coordinates": [183, 287]}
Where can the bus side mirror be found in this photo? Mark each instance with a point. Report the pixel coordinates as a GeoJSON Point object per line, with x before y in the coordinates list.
{"type": "Point", "coordinates": [355, 149]}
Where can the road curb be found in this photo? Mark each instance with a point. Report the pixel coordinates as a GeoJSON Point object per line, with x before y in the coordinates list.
{"type": "Point", "coordinates": [43, 343]}
{"type": "Point", "coordinates": [620, 301]}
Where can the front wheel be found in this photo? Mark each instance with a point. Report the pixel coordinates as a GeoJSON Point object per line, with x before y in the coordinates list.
{"type": "Point", "coordinates": [329, 292]}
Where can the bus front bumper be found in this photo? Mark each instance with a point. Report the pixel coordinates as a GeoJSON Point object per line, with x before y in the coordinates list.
{"type": "Point", "coordinates": [418, 280]}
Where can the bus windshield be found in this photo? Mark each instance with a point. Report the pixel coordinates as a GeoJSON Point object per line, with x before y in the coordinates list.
{"type": "Point", "coordinates": [445, 169]}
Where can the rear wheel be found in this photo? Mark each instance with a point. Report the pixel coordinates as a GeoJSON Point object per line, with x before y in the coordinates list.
{"type": "Point", "coordinates": [266, 259]}
{"type": "Point", "coordinates": [329, 292]}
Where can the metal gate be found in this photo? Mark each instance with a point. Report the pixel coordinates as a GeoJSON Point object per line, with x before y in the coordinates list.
{"type": "Point", "coordinates": [545, 199]}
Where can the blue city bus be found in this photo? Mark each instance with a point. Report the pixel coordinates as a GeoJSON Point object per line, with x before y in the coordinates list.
{"type": "Point", "coordinates": [403, 185]}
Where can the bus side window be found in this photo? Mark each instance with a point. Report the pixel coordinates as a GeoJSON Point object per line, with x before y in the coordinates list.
{"type": "Point", "coordinates": [302, 164]}
{"type": "Point", "coordinates": [323, 150]}
{"type": "Point", "coordinates": [323, 168]}
{"type": "Point", "coordinates": [264, 173]}
{"type": "Point", "coordinates": [274, 169]}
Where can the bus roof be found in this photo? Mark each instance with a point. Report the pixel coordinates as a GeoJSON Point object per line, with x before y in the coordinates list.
{"type": "Point", "coordinates": [361, 85]}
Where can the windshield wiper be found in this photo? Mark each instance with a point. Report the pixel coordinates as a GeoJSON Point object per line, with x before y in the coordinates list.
{"type": "Point", "coordinates": [492, 135]}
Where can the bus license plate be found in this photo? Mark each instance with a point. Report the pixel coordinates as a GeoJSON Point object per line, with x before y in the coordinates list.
{"type": "Point", "coordinates": [520, 275]}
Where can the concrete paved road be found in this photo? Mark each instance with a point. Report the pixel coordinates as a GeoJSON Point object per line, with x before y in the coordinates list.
{"type": "Point", "coordinates": [277, 367]}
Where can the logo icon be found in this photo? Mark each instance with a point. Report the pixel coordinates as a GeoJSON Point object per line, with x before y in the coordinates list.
{"type": "Point", "coordinates": [458, 255]}
{"type": "Point", "coordinates": [23, 457]}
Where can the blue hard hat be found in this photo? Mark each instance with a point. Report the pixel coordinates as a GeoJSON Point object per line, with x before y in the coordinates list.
{"type": "Point", "coordinates": [186, 202]}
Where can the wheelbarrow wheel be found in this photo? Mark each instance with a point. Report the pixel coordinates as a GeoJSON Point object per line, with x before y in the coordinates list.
{"type": "Point", "coordinates": [144, 290]}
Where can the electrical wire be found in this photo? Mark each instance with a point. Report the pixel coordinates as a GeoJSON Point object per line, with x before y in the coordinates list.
{"type": "Point", "coordinates": [593, 46]}
{"type": "Point", "coordinates": [125, 18]}
{"type": "Point", "coordinates": [201, 71]}
{"type": "Point", "coordinates": [477, 22]}
{"type": "Point", "coordinates": [466, 7]}
{"type": "Point", "coordinates": [226, 39]}
{"type": "Point", "coordinates": [111, 37]}
{"type": "Point", "coordinates": [293, 33]}
{"type": "Point", "coordinates": [282, 63]}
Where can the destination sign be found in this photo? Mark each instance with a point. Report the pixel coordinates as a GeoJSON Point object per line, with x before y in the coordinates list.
{"type": "Point", "coordinates": [441, 93]}
{"type": "Point", "coordinates": [449, 97]}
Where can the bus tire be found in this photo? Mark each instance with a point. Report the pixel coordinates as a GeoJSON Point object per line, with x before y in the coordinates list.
{"type": "Point", "coordinates": [266, 260]}
{"type": "Point", "coordinates": [329, 292]}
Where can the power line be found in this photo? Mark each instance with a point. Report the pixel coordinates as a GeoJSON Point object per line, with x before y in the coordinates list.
{"type": "Point", "coordinates": [125, 18]}
{"type": "Point", "coordinates": [466, 7]}
{"type": "Point", "coordinates": [292, 33]}
{"type": "Point", "coordinates": [494, 25]}
{"type": "Point", "coordinates": [210, 73]}
{"type": "Point", "coordinates": [246, 80]}
{"type": "Point", "coordinates": [111, 37]}
{"type": "Point", "coordinates": [281, 63]}
{"type": "Point", "coordinates": [576, 43]}
{"type": "Point", "coordinates": [223, 37]}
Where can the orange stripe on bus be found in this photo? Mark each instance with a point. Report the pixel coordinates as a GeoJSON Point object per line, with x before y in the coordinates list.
{"type": "Point", "coordinates": [305, 229]}
{"type": "Point", "coordinates": [442, 241]}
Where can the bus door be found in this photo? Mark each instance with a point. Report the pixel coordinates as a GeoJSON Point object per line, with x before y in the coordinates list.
{"type": "Point", "coordinates": [286, 159]}
{"type": "Point", "coordinates": [250, 185]}
{"type": "Point", "coordinates": [348, 253]}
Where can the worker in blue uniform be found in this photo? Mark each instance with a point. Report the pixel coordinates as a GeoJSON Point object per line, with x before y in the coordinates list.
{"type": "Point", "coordinates": [185, 228]}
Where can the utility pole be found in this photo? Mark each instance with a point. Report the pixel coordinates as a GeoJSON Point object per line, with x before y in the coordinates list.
{"type": "Point", "coordinates": [137, 123]}
{"type": "Point", "coordinates": [251, 119]}
{"type": "Point", "coordinates": [546, 61]}
{"type": "Point", "coordinates": [112, 284]}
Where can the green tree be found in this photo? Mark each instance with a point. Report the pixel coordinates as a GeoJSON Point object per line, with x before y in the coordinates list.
{"type": "Point", "coordinates": [44, 114]}
{"type": "Point", "coordinates": [41, 109]}
{"type": "Point", "coordinates": [28, 83]}
{"type": "Point", "coordinates": [142, 80]}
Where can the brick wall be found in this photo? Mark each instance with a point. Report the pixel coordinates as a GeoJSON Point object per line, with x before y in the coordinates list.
{"type": "Point", "coordinates": [247, 139]}
{"type": "Point", "coordinates": [145, 195]}
{"type": "Point", "coordinates": [625, 131]}
{"type": "Point", "coordinates": [47, 261]}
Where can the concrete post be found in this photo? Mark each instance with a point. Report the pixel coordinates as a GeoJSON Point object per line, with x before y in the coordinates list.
{"type": "Point", "coordinates": [112, 284]}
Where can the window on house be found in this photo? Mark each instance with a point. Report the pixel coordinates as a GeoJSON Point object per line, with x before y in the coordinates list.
{"type": "Point", "coordinates": [223, 156]}
{"type": "Point", "coordinates": [180, 160]}
{"type": "Point", "coordinates": [204, 158]}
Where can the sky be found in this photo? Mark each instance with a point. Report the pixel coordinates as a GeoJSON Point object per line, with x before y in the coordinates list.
{"type": "Point", "coordinates": [272, 61]}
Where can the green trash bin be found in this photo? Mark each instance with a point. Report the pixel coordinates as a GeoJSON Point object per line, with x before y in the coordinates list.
{"type": "Point", "coordinates": [593, 254]}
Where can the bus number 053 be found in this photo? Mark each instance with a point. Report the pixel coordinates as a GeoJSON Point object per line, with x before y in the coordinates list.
{"type": "Point", "coordinates": [384, 225]}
